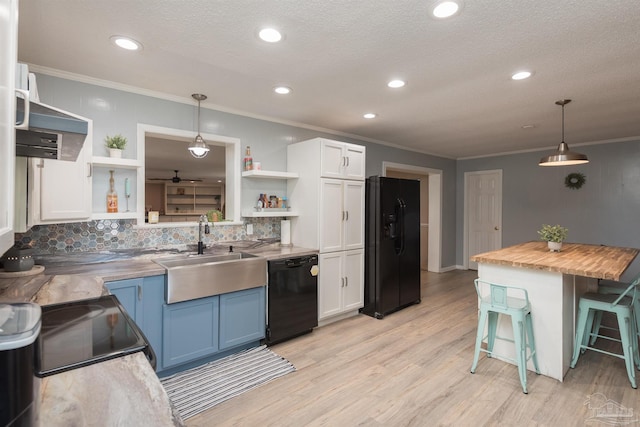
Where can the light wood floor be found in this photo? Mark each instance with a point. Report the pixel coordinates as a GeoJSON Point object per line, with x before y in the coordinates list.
{"type": "Point", "coordinates": [412, 369]}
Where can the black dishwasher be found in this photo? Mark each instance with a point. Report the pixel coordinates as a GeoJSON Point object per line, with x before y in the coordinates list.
{"type": "Point", "coordinates": [292, 298]}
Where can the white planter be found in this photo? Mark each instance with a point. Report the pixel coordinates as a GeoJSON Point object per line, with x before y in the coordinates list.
{"type": "Point", "coordinates": [554, 246]}
{"type": "Point", "coordinates": [115, 152]}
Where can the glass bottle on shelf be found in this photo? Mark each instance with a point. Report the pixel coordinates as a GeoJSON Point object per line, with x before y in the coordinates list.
{"type": "Point", "coordinates": [112, 196]}
{"type": "Point", "coordinates": [248, 160]}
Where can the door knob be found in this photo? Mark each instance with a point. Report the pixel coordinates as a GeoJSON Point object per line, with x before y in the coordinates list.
{"type": "Point", "coordinates": [496, 228]}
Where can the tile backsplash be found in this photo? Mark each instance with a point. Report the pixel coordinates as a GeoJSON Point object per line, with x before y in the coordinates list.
{"type": "Point", "coordinates": [101, 235]}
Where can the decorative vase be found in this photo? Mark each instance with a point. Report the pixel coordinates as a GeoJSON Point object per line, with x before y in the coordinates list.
{"type": "Point", "coordinates": [554, 246]}
{"type": "Point", "coordinates": [16, 259]}
{"type": "Point", "coordinates": [115, 152]}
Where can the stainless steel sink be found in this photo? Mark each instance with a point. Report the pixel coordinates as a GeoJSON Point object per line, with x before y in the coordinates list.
{"type": "Point", "coordinates": [198, 276]}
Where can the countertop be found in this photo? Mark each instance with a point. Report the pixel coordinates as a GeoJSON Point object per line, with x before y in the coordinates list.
{"type": "Point", "coordinates": [597, 261]}
{"type": "Point", "coordinates": [130, 264]}
{"type": "Point", "coordinates": [122, 391]}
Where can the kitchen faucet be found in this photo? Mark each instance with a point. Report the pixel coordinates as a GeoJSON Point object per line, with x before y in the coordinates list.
{"type": "Point", "coordinates": [203, 220]}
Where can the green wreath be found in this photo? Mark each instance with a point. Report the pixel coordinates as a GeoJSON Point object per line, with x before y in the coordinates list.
{"type": "Point", "coordinates": [575, 180]}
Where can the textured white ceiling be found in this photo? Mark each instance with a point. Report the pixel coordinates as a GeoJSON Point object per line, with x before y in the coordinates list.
{"type": "Point", "coordinates": [338, 55]}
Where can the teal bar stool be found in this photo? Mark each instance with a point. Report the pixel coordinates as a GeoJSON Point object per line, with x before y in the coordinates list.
{"type": "Point", "coordinates": [500, 299]}
{"type": "Point", "coordinates": [614, 288]}
{"type": "Point", "coordinates": [593, 305]}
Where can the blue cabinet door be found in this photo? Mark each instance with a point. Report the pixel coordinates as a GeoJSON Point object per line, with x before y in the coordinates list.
{"type": "Point", "coordinates": [128, 293]}
{"type": "Point", "coordinates": [190, 330]}
{"type": "Point", "coordinates": [242, 317]}
{"type": "Point", "coordinates": [143, 299]}
{"type": "Point", "coordinates": [150, 313]}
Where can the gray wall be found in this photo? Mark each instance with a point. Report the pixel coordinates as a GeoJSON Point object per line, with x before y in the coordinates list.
{"type": "Point", "coordinates": [376, 154]}
{"type": "Point", "coordinates": [606, 210]}
{"type": "Point", "coordinates": [114, 111]}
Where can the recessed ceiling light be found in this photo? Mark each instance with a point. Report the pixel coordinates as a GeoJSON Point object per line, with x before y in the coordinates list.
{"type": "Point", "coordinates": [126, 42]}
{"type": "Point", "coordinates": [370, 115]}
{"type": "Point", "coordinates": [270, 35]}
{"type": "Point", "coordinates": [282, 90]}
{"type": "Point", "coordinates": [521, 75]}
{"type": "Point", "coordinates": [445, 9]}
{"type": "Point", "coordinates": [396, 83]}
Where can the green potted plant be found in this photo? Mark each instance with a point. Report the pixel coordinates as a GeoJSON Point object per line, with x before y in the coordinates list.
{"type": "Point", "coordinates": [115, 144]}
{"type": "Point", "coordinates": [554, 235]}
{"type": "Point", "coordinates": [215, 215]}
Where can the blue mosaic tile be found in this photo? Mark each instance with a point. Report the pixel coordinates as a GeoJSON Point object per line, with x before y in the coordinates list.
{"type": "Point", "coordinates": [120, 234]}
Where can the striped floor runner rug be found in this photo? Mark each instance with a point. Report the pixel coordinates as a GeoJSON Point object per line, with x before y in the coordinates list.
{"type": "Point", "coordinates": [203, 387]}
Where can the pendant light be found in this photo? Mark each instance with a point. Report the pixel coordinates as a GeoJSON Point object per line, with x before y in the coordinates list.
{"type": "Point", "coordinates": [563, 156]}
{"type": "Point", "coordinates": [198, 148]}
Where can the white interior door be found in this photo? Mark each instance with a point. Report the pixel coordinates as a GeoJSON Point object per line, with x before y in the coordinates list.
{"type": "Point", "coordinates": [483, 213]}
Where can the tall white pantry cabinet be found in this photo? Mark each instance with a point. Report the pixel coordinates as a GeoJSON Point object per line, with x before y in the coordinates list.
{"type": "Point", "coordinates": [8, 59]}
{"type": "Point", "coordinates": [329, 197]}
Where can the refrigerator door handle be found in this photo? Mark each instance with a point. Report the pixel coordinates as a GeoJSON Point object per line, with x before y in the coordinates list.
{"type": "Point", "coordinates": [401, 223]}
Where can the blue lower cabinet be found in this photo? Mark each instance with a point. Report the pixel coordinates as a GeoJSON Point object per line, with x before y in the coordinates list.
{"type": "Point", "coordinates": [242, 317]}
{"type": "Point", "coordinates": [127, 293]}
{"type": "Point", "coordinates": [152, 302]}
{"type": "Point", "coordinates": [190, 331]}
{"type": "Point", "coordinates": [143, 298]}
{"type": "Point", "coordinates": [186, 332]}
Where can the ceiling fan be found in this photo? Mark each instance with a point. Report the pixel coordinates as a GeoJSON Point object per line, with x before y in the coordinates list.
{"type": "Point", "coordinates": [176, 179]}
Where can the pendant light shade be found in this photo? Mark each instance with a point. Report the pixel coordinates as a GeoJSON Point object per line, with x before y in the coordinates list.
{"type": "Point", "coordinates": [563, 156]}
{"type": "Point", "coordinates": [198, 148]}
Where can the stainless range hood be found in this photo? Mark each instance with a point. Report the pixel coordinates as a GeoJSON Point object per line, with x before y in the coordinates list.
{"type": "Point", "coordinates": [47, 132]}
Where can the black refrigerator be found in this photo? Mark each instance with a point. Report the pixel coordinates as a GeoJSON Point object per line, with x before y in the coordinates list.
{"type": "Point", "coordinates": [392, 245]}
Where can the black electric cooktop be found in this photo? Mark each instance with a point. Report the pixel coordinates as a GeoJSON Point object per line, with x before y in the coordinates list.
{"type": "Point", "coordinates": [80, 333]}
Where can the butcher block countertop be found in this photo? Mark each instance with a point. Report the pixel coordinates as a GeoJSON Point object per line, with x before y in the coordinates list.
{"type": "Point", "coordinates": [596, 261]}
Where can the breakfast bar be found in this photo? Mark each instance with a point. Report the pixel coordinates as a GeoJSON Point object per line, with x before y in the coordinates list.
{"type": "Point", "coordinates": [554, 281]}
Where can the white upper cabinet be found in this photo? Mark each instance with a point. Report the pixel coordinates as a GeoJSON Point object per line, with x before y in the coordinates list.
{"type": "Point", "coordinates": [341, 218]}
{"type": "Point", "coordinates": [8, 58]}
{"type": "Point", "coordinates": [331, 215]}
{"type": "Point", "coordinates": [341, 160]}
{"type": "Point", "coordinates": [60, 191]}
{"type": "Point", "coordinates": [353, 205]}
{"type": "Point", "coordinates": [331, 208]}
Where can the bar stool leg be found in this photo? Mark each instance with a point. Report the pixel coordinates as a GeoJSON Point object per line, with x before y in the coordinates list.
{"type": "Point", "coordinates": [532, 342]}
{"type": "Point", "coordinates": [479, 335]}
{"type": "Point", "coordinates": [588, 331]}
{"type": "Point", "coordinates": [628, 348]}
{"type": "Point", "coordinates": [491, 337]}
{"type": "Point", "coordinates": [581, 322]}
{"type": "Point", "coordinates": [596, 327]}
{"type": "Point", "coordinates": [521, 351]}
